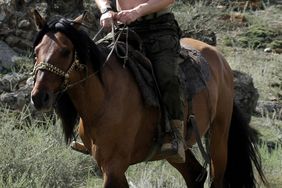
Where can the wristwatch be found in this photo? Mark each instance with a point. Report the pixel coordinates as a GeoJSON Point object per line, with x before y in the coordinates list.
{"type": "Point", "coordinates": [105, 10]}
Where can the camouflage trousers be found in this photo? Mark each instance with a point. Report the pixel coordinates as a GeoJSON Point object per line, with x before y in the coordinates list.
{"type": "Point", "coordinates": [161, 45]}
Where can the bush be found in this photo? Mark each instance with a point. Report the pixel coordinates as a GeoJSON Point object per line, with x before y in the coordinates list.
{"type": "Point", "coordinates": [34, 156]}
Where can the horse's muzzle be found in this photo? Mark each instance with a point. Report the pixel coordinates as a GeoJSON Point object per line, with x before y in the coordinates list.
{"type": "Point", "coordinates": [42, 100]}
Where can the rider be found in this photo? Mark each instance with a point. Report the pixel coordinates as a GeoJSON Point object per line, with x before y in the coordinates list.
{"type": "Point", "coordinates": [160, 34]}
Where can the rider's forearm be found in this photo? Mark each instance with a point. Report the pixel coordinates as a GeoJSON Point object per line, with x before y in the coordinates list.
{"type": "Point", "coordinates": [153, 6]}
{"type": "Point", "coordinates": [103, 4]}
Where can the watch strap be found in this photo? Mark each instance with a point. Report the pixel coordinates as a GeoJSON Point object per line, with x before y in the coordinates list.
{"type": "Point", "coordinates": [106, 9]}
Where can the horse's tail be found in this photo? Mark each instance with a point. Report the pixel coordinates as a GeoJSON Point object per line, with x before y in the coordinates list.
{"type": "Point", "coordinates": [242, 153]}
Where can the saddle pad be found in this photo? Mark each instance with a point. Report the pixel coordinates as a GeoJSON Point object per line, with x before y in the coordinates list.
{"type": "Point", "coordinates": [194, 73]}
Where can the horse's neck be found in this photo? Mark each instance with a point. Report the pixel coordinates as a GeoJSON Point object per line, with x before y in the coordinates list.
{"type": "Point", "coordinates": [88, 96]}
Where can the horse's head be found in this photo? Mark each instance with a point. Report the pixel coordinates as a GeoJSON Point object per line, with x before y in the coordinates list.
{"type": "Point", "coordinates": [55, 59]}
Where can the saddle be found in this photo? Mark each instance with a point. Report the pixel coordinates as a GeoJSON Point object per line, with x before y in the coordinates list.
{"type": "Point", "coordinates": [193, 67]}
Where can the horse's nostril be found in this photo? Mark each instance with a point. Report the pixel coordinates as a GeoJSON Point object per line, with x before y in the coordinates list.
{"type": "Point", "coordinates": [41, 99]}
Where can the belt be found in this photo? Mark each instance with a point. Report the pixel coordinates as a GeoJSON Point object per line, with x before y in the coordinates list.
{"type": "Point", "coordinates": [153, 15]}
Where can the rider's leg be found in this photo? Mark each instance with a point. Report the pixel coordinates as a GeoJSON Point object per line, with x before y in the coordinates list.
{"type": "Point", "coordinates": [163, 51]}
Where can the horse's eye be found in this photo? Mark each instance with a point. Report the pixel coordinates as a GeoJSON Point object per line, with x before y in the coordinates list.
{"type": "Point", "coordinates": [65, 52]}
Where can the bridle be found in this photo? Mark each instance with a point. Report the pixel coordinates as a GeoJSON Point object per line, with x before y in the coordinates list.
{"type": "Point", "coordinates": [51, 68]}
{"type": "Point", "coordinates": [75, 66]}
{"type": "Point", "coordinates": [57, 71]}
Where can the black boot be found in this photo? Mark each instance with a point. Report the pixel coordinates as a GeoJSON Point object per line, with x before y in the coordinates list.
{"type": "Point", "coordinates": [174, 148]}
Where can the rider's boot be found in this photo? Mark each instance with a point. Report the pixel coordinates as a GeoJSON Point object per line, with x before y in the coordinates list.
{"type": "Point", "coordinates": [173, 146]}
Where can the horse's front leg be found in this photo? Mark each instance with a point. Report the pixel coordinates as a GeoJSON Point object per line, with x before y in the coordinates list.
{"type": "Point", "coordinates": [113, 168]}
{"type": "Point", "coordinates": [114, 179]}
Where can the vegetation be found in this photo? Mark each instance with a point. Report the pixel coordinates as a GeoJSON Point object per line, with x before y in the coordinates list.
{"type": "Point", "coordinates": [33, 152]}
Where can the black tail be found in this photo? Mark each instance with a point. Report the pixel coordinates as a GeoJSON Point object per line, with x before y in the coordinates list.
{"type": "Point", "coordinates": [242, 154]}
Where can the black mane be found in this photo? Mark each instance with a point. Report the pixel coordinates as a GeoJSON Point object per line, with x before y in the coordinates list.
{"type": "Point", "coordinates": [87, 52]}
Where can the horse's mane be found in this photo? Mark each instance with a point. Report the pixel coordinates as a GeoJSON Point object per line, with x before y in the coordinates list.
{"type": "Point", "coordinates": [87, 52]}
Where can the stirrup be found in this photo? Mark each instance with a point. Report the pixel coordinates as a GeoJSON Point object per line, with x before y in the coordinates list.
{"type": "Point", "coordinates": [178, 152]}
{"type": "Point", "coordinates": [173, 150]}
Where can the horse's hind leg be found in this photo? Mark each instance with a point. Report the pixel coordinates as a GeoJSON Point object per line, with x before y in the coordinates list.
{"type": "Point", "coordinates": [219, 148]}
{"type": "Point", "coordinates": [191, 171]}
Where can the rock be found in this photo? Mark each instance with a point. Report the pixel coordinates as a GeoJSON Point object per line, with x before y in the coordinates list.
{"type": "Point", "coordinates": [24, 24]}
{"type": "Point", "coordinates": [19, 42]}
{"type": "Point", "coordinates": [268, 50]}
{"type": "Point", "coordinates": [10, 82]}
{"type": "Point", "coordinates": [16, 100]}
{"type": "Point", "coordinates": [18, 29]}
{"type": "Point", "coordinates": [269, 108]}
{"type": "Point", "coordinates": [19, 97]}
{"type": "Point", "coordinates": [246, 95]}
{"type": "Point", "coordinates": [7, 56]}
{"type": "Point", "coordinates": [206, 36]}
{"type": "Point", "coordinates": [2, 14]}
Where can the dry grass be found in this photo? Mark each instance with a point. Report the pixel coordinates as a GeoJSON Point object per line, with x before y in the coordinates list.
{"type": "Point", "coordinates": [33, 156]}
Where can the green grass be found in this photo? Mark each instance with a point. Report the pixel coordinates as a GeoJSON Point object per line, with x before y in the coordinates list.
{"type": "Point", "coordinates": [264, 68]}
{"type": "Point", "coordinates": [34, 155]}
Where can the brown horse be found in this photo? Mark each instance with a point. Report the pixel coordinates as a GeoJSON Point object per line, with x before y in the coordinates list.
{"type": "Point", "coordinates": [115, 125]}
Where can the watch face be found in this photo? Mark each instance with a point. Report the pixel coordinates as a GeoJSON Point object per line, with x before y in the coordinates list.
{"type": "Point", "coordinates": [104, 10]}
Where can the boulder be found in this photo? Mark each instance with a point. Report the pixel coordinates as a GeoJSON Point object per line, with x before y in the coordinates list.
{"type": "Point", "coordinates": [246, 95]}
{"type": "Point", "coordinates": [15, 95]}
{"type": "Point", "coordinates": [7, 56]}
{"type": "Point", "coordinates": [206, 36]}
{"type": "Point", "coordinates": [17, 27]}
{"type": "Point", "coordinates": [269, 108]}
{"type": "Point", "coordinates": [12, 82]}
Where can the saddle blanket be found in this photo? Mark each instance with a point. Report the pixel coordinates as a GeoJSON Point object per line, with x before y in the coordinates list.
{"type": "Point", "coordinates": [193, 67]}
{"type": "Point", "coordinates": [194, 73]}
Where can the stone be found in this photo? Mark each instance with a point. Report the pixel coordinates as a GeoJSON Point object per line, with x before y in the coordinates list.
{"type": "Point", "coordinates": [9, 82]}
{"type": "Point", "coordinates": [12, 40]}
{"type": "Point", "coordinates": [15, 98]}
{"type": "Point", "coordinates": [206, 36]}
{"type": "Point", "coordinates": [2, 14]}
{"type": "Point", "coordinates": [24, 24]}
{"type": "Point", "coordinates": [265, 108]}
{"type": "Point", "coordinates": [246, 95]}
{"type": "Point", "coordinates": [267, 50]}
{"type": "Point", "coordinates": [7, 56]}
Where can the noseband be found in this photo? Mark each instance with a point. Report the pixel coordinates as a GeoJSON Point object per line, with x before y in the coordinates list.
{"type": "Point", "coordinates": [57, 71]}
{"type": "Point", "coordinates": [65, 27]}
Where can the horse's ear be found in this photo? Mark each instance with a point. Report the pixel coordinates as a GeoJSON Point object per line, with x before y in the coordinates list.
{"type": "Point", "coordinates": [39, 21]}
{"type": "Point", "coordinates": [77, 22]}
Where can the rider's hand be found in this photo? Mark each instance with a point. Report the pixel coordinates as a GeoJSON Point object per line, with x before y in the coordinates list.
{"type": "Point", "coordinates": [107, 19]}
{"type": "Point", "coordinates": [127, 16]}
